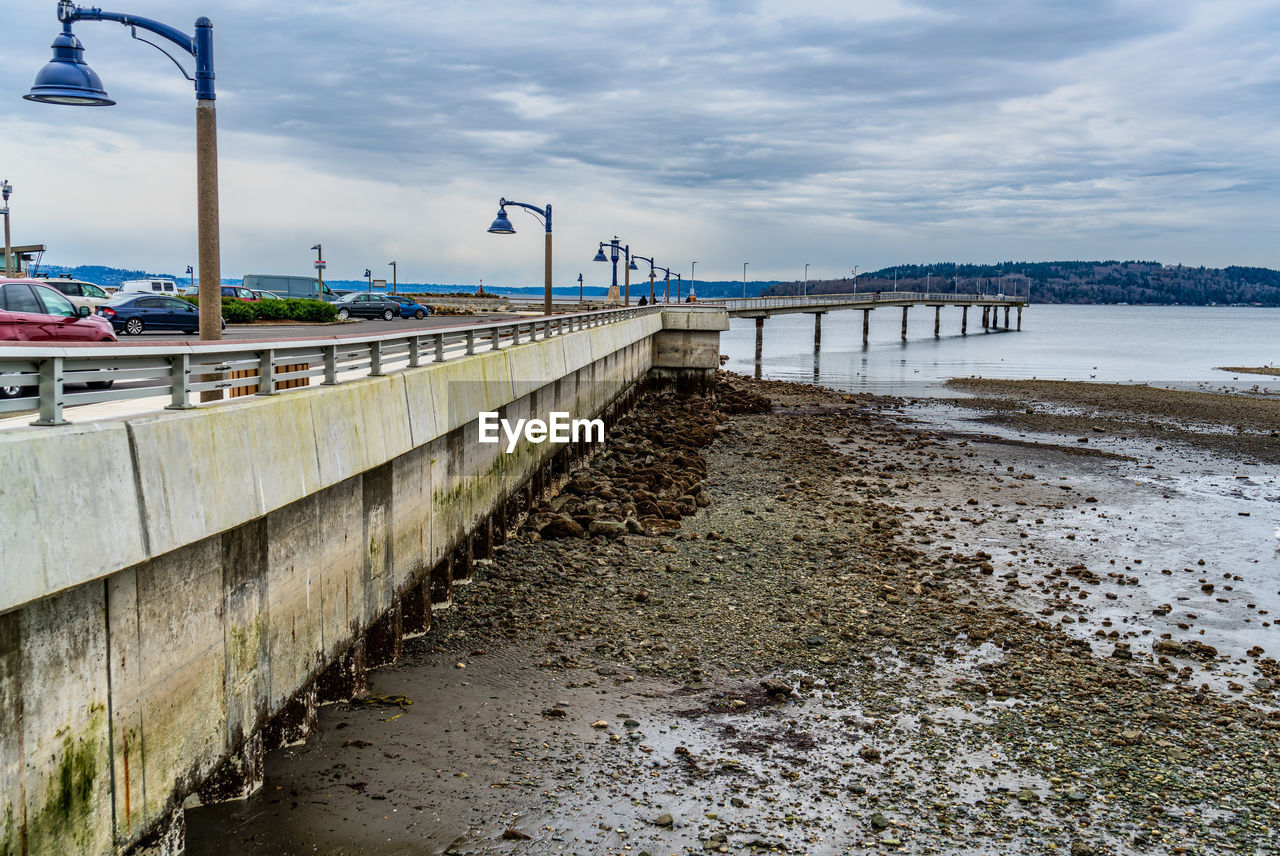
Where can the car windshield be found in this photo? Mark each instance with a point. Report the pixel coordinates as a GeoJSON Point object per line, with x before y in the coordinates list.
{"type": "Point", "coordinates": [125, 297]}
{"type": "Point", "coordinates": [348, 298]}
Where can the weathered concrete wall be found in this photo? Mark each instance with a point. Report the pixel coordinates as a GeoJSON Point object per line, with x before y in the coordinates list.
{"type": "Point", "coordinates": [206, 567]}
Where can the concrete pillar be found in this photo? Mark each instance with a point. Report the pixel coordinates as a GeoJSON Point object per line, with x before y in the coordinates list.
{"type": "Point", "coordinates": [462, 560]}
{"type": "Point", "coordinates": [345, 677]}
{"type": "Point", "coordinates": [904, 322]}
{"type": "Point", "coordinates": [415, 610]}
{"type": "Point", "coordinates": [1019, 317]}
{"type": "Point", "coordinates": [295, 722]}
{"type": "Point", "coordinates": [442, 584]}
{"type": "Point", "coordinates": [937, 321]}
{"type": "Point", "coordinates": [239, 776]}
{"type": "Point", "coordinates": [384, 640]}
{"type": "Point", "coordinates": [817, 330]}
{"type": "Point", "coordinates": [986, 317]}
{"type": "Point", "coordinates": [866, 325]}
{"type": "Point", "coordinates": [759, 345]}
{"type": "Point", "coordinates": [964, 320]}
{"type": "Point", "coordinates": [1006, 318]}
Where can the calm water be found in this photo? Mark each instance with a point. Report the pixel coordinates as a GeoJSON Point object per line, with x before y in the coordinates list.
{"type": "Point", "coordinates": [1176, 345]}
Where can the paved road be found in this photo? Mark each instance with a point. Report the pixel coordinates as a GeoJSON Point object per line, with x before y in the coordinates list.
{"type": "Point", "coordinates": [312, 331]}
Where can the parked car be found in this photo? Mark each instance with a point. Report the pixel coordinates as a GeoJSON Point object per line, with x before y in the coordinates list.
{"type": "Point", "coordinates": [134, 313]}
{"type": "Point", "coordinates": [30, 311]}
{"type": "Point", "coordinates": [366, 306]}
{"type": "Point", "coordinates": [410, 308]}
{"type": "Point", "coordinates": [79, 292]}
{"type": "Point", "coordinates": [240, 293]}
{"type": "Point", "coordinates": [267, 295]}
{"type": "Point", "coordinates": [153, 286]}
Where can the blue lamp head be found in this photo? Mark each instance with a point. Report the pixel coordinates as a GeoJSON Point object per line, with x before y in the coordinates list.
{"type": "Point", "coordinates": [67, 79]}
{"type": "Point", "coordinates": [633, 266]}
{"type": "Point", "coordinates": [600, 255]}
{"type": "Point", "coordinates": [501, 225]}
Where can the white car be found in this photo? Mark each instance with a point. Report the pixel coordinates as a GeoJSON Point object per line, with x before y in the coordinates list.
{"type": "Point", "coordinates": [79, 292]}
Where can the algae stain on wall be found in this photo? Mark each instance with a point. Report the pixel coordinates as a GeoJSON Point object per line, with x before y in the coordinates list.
{"type": "Point", "coordinates": [70, 811]}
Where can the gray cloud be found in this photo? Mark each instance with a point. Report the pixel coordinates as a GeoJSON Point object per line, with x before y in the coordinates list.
{"type": "Point", "coordinates": [990, 126]}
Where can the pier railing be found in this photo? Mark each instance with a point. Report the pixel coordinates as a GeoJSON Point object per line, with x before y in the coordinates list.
{"type": "Point", "coordinates": [74, 374]}
{"type": "Point", "coordinates": [738, 304]}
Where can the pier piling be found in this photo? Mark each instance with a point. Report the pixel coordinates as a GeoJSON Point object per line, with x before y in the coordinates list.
{"type": "Point", "coordinates": [964, 320]}
{"type": "Point", "coordinates": [904, 322]}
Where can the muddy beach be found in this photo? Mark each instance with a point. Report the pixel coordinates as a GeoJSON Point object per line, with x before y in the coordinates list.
{"type": "Point", "coordinates": [829, 626]}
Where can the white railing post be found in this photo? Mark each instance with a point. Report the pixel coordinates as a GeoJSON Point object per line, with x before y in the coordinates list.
{"type": "Point", "coordinates": [439, 348]}
{"type": "Point", "coordinates": [179, 382]}
{"type": "Point", "coordinates": [50, 392]}
{"type": "Point", "coordinates": [330, 365]}
{"type": "Point", "coordinates": [415, 356]}
{"type": "Point", "coordinates": [471, 342]}
{"type": "Point", "coordinates": [375, 359]}
{"type": "Point", "coordinates": [267, 372]}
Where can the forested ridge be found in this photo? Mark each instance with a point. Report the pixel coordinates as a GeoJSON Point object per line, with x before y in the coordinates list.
{"type": "Point", "coordinates": [1071, 282]}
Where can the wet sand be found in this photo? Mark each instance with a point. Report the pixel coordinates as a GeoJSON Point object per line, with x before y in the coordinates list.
{"type": "Point", "coordinates": [875, 630]}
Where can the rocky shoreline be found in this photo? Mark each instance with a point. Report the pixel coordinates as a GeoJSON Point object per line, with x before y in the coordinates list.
{"type": "Point", "coordinates": [809, 626]}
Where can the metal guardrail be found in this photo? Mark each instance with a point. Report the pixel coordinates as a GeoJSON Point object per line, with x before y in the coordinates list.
{"type": "Point", "coordinates": [735, 304]}
{"type": "Point", "coordinates": [182, 372]}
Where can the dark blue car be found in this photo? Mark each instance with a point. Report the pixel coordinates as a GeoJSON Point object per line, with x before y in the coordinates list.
{"type": "Point", "coordinates": [134, 313]}
{"type": "Point", "coordinates": [409, 308]}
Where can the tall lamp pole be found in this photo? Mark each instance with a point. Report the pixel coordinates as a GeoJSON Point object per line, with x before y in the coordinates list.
{"type": "Point", "coordinates": [855, 279]}
{"type": "Point", "coordinates": [693, 280]}
{"type": "Point", "coordinates": [806, 279]}
{"type": "Point", "coordinates": [618, 250]}
{"type": "Point", "coordinates": [319, 271]}
{"type": "Point", "coordinates": [502, 226]}
{"type": "Point", "coordinates": [579, 288]}
{"type": "Point", "coordinates": [5, 190]}
{"type": "Point", "coordinates": [393, 277]}
{"type": "Point", "coordinates": [67, 79]}
{"type": "Point", "coordinates": [744, 279]}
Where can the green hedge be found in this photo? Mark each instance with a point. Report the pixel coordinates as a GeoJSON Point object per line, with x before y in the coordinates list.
{"type": "Point", "coordinates": [293, 309]}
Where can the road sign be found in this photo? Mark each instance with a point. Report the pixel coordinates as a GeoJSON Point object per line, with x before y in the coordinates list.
{"type": "Point", "coordinates": [320, 265]}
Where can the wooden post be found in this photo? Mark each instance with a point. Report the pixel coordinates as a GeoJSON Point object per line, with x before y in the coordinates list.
{"type": "Point", "coordinates": [1006, 318]}
{"type": "Point", "coordinates": [817, 330]}
{"type": "Point", "coordinates": [759, 344]}
{"type": "Point", "coordinates": [1019, 317]}
{"type": "Point", "coordinates": [904, 322]}
{"type": "Point", "coordinates": [866, 326]}
{"type": "Point", "coordinates": [964, 320]}
{"type": "Point", "coordinates": [937, 321]}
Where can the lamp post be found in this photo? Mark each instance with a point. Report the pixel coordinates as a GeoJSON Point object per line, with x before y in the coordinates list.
{"type": "Point", "coordinates": [67, 79]}
{"type": "Point", "coordinates": [393, 276]}
{"type": "Point", "coordinates": [368, 275]}
{"type": "Point", "coordinates": [744, 279]}
{"type": "Point", "coordinates": [579, 288]}
{"type": "Point", "coordinates": [5, 190]}
{"type": "Point", "coordinates": [855, 279]}
{"type": "Point", "coordinates": [652, 268]}
{"type": "Point", "coordinates": [693, 268]}
{"type": "Point", "coordinates": [678, 288]}
{"type": "Point", "coordinates": [806, 280]}
{"type": "Point", "coordinates": [618, 250]}
{"type": "Point", "coordinates": [502, 226]}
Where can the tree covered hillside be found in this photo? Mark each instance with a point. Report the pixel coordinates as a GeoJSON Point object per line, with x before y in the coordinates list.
{"type": "Point", "coordinates": [1072, 282]}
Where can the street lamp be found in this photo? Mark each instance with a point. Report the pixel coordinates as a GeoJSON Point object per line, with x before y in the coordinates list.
{"type": "Point", "coordinates": [806, 279]}
{"type": "Point", "coordinates": [5, 189]}
{"type": "Point", "coordinates": [693, 268]}
{"type": "Point", "coordinates": [744, 279]}
{"type": "Point", "coordinates": [652, 268]}
{"type": "Point", "coordinates": [393, 276]}
{"type": "Point", "coordinates": [579, 288]}
{"type": "Point", "coordinates": [855, 279]}
{"type": "Point", "coordinates": [368, 275]}
{"type": "Point", "coordinates": [616, 248]}
{"type": "Point", "coordinates": [502, 226]}
{"type": "Point", "coordinates": [67, 79]}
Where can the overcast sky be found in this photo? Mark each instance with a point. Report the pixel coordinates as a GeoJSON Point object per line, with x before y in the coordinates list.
{"type": "Point", "coordinates": [776, 132]}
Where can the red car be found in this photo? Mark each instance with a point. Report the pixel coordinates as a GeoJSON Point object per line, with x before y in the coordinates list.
{"type": "Point", "coordinates": [248, 295]}
{"type": "Point", "coordinates": [33, 312]}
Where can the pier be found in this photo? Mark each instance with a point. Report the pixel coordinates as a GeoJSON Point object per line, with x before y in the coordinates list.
{"type": "Point", "coordinates": [761, 308]}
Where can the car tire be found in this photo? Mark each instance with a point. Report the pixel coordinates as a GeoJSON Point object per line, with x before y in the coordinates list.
{"type": "Point", "coordinates": [190, 332]}
{"type": "Point", "coordinates": [343, 315]}
{"type": "Point", "coordinates": [420, 314]}
{"type": "Point", "coordinates": [10, 391]}
{"type": "Point", "coordinates": [100, 384]}
{"type": "Point", "coordinates": [134, 326]}
{"type": "Point", "coordinates": [387, 315]}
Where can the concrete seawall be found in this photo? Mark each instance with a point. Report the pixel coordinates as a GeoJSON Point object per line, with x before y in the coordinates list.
{"type": "Point", "coordinates": [178, 591]}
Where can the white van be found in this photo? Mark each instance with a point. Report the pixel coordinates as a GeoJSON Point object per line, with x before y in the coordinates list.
{"type": "Point", "coordinates": [159, 286]}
